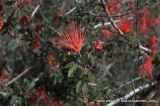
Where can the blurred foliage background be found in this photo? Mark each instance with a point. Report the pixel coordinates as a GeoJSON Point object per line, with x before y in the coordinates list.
{"type": "Point", "coordinates": [63, 76]}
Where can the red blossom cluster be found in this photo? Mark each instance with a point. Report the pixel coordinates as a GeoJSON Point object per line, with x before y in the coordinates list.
{"type": "Point", "coordinates": [125, 25]}
{"type": "Point", "coordinates": [41, 95]}
{"type": "Point", "coordinates": [1, 22]}
{"type": "Point", "coordinates": [97, 44]}
{"type": "Point", "coordinates": [113, 6]}
{"type": "Point", "coordinates": [45, 99]}
{"type": "Point", "coordinates": [152, 44]}
{"type": "Point", "coordinates": [51, 58]}
{"type": "Point", "coordinates": [146, 20]}
{"type": "Point", "coordinates": [4, 75]}
{"type": "Point", "coordinates": [72, 36]}
{"type": "Point", "coordinates": [145, 69]}
{"type": "Point", "coordinates": [105, 32]}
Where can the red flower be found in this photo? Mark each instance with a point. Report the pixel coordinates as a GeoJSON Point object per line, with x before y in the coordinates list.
{"type": "Point", "coordinates": [1, 23]}
{"type": "Point", "coordinates": [125, 25]}
{"type": "Point", "coordinates": [35, 44]}
{"type": "Point", "coordinates": [157, 21]}
{"type": "Point", "coordinates": [131, 3]}
{"type": "Point", "coordinates": [72, 36]}
{"type": "Point", "coordinates": [1, 78]}
{"type": "Point", "coordinates": [51, 58]}
{"type": "Point", "coordinates": [32, 96]}
{"type": "Point", "coordinates": [41, 91]}
{"type": "Point", "coordinates": [55, 68]}
{"type": "Point", "coordinates": [105, 32]}
{"type": "Point", "coordinates": [97, 44]}
{"type": "Point", "coordinates": [37, 26]}
{"type": "Point", "coordinates": [23, 21]}
{"type": "Point", "coordinates": [145, 69]}
{"type": "Point", "coordinates": [4, 75]}
{"type": "Point", "coordinates": [45, 99]}
{"type": "Point", "coordinates": [146, 21]}
{"type": "Point", "coordinates": [112, 6]}
{"type": "Point", "coordinates": [152, 43]}
{"type": "Point", "coordinates": [85, 97]}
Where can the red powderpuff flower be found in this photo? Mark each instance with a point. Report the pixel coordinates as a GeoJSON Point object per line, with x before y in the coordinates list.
{"type": "Point", "coordinates": [45, 99]}
{"type": "Point", "coordinates": [72, 36]}
{"type": "Point", "coordinates": [131, 3]}
{"type": "Point", "coordinates": [1, 78]}
{"type": "Point", "coordinates": [24, 20]}
{"type": "Point", "coordinates": [55, 68]}
{"type": "Point", "coordinates": [41, 91]}
{"type": "Point", "coordinates": [125, 25]}
{"type": "Point", "coordinates": [37, 26]}
{"type": "Point", "coordinates": [1, 23]}
{"type": "Point", "coordinates": [157, 21]}
{"type": "Point", "coordinates": [152, 43]}
{"type": "Point", "coordinates": [145, 69]}
{"type": "Point", "coordinates": [4, 75]}
{"type": "Point", "coordinates": [49, 101]}
{"type": "Point", "coordinates": [145, 21]}
{"type": "Point", "coordinates": [97, 44]}
{"type": "Point", "coordinates": [113, 6]}
{"type": "Point", "coordinates": [35, 44]}
{"type": "Point", "coordinates": [105, 32]}
{"type": "Point", "coordinates": [50, 59]}
{"type": "Point", "coordinates": [31, 96]}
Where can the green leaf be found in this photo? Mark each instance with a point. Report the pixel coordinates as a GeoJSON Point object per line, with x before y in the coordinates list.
{"type": "Point", "coordinates": [78, 86]}
{"type": "Point", "coordinates": [15, 100]}
{"type": "Point", "coordinates": [72, 69]}
{"type": "Point", "coordinates": [93, 59]}
{"type": "Point", "coordinates": [85, 88]}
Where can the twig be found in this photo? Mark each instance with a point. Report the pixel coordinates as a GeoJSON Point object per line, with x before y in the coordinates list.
{"type": "Point", "coordinates": [132, 93]}
{"type": "Point", "coordinates": [107, 23]}
{"type": "Point", "coordinates": [91, 84]}
{"type": "Point", "coordinates": [131, 11]}
{"type": "Point", "coordinates": [43, 16]}
{"type": "Point", "coordinates": [144, 48]}
{"type": "Point", "coordinates": [17, 77]}
{"type": "Point", "coordinates": [70, 11]}
{"type": "Point", "coordinates": [129, 82]}
{"type": "Point", "coordinates": [133, 87]}
{"type": "Point", "coordinates": [35, 10]}
{"type": "Point", "coordinates": [4, 94]}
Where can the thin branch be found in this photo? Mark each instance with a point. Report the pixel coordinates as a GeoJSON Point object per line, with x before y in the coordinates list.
{"type": "Point", "coordinates": [17, 77]}
{"type": "Point", "coordinates": [35, 10]}
{"type": "Point", "coordinates": [127, 83]}
{"type": "Point", "coordinates": [43, 16]}
{"type": "Point", "coordinates": [3, 94]}
{"type": "Point", "coordinates": [144, 48]}
{"type": "Point", "coordinates": [129, 12]}
{"type": "Point", "coordinates": [132, 93]}
{"type": "Point", "coordinates": [71, 10]}
{"type": "Point", "coordinates": [92, 84]}
{"type": "Point", "coordinates": [107, 23]}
